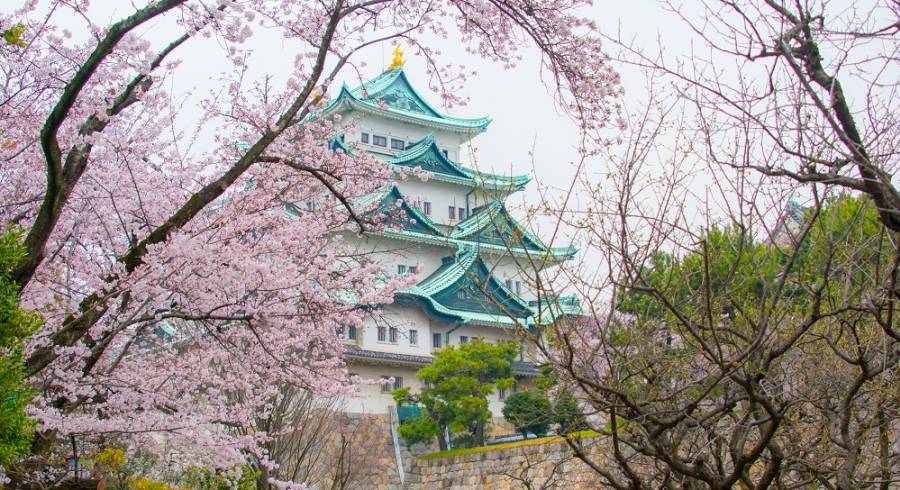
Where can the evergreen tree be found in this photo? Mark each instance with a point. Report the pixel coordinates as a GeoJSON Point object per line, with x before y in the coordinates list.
{"type": "Point", "coordinates": [454, 397]}
{"type": "Point", "coordinates": [15, 325]}
{"type": "Point", "coordinates": [529, 413]}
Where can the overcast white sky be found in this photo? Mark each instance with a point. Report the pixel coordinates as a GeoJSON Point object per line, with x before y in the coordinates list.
{"type": "Point", "coordinates": [523, 112]}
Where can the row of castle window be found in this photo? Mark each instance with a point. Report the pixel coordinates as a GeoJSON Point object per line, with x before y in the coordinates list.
{"type": "Point", "coordinates": [378, 140]}
{"type": "Point", "coordinates": [392, 334]}
{"type": "Point", "coordinates": [350, 332]}
{"type": "Point", "coordinates": [386, 387]}
{"type": "Point", "coordinates": [518, 286]}
{"type": "Point", "coordinates": [403, 270]}
{"type": "Point", "coordinates": [456, 213]}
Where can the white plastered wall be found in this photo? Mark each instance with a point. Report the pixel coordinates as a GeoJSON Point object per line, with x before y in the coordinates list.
{"type": "Point", "coordinates": [409, 133]}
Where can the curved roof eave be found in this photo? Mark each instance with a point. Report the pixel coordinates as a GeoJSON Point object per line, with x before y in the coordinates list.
{"type": "Point", "coordinates": [346, 98]}
{"type": "Point", "coordinates": [488, 214]}
{"type": "Point", "coordinates": [556, 255]}
{"type": "Point", "coordinates": [466, 176]}
{"type": "Point", "coordinates": [386, 79]}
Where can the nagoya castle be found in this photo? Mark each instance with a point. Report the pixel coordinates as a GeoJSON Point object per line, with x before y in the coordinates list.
{"type": "Point", "coordinates": [455, 235]}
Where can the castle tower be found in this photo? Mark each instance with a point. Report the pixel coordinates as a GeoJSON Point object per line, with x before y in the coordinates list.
{"type": "Point", "coordinates": [456, 236]}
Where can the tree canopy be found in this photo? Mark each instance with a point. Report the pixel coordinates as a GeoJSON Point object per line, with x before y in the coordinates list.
{"type": "Point", "coordinates": [16, 325]}
{"type": "Point", "coordinates": [529, 413]}
{"type": "Point", "coordinates": [456, 386]}
{"type": "Point", "coordinates": [165, 248]}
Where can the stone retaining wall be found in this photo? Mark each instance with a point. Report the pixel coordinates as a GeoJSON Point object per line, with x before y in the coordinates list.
{"type": "Point", "coordinates": [543, 466]}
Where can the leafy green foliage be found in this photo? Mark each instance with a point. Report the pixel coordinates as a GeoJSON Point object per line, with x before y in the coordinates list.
{"type": "Point", "coordinates": [13, 35]}
{"type": "Point", "coordinates": [800, 327]}
{"type": "Point", "coordinates": [529, 413]}
{"type": "Point", "coordinates": [418, 429]}
{"type": "Point", "coordinates": [568, 413]}
{"type": "Point", "coordinates": [200, 478]}
{"type": "Point", "coordinates": [728, 267]}
{"type": "Point", "coordinates": [457, 384]}
{"type": "Point", "coordinates": [16, 324]}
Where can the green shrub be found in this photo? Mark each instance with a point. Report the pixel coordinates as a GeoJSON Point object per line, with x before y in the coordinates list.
{"type": "Point", "coordinates": [529, 413]}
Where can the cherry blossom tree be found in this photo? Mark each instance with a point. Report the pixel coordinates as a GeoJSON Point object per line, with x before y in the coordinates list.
{"type": "Point", "coordinates": [179, 274]}
{"type": "Point", "coordinates": [741, 326]}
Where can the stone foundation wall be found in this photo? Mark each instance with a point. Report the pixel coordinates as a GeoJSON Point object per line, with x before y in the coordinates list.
{"type": "Point", "coordinates": [375, 464]}
{"type": "Point", "coordinates": [544, 466]}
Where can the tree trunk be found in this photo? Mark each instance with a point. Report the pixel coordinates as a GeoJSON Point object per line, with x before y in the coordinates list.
{"type": "Point", "coordinates": [479, 433]}
{"type": "Point", "coordinates": [442, 441]}
{"type": "Point", "coordinates": [262, 481]}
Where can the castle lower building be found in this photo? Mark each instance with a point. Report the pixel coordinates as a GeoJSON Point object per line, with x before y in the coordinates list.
{"type": "Point", "coordinates": [474, 263]}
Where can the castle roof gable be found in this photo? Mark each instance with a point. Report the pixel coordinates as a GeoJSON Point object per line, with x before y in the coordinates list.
{"type": "Point", "coordinates": [391, 95]}
{"type": "Point", "coordinates": [463, 289]}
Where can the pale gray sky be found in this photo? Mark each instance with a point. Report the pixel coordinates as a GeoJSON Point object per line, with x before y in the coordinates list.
{"type": "Point", "coordinates": [523, 112]}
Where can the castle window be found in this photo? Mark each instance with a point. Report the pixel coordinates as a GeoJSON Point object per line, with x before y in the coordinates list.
{"type": "Point", "coordinates": [351, 332]}
{"type": "Point", "coordinates": [501, 393]}
{"type": "Point", "coordinates": [382, 334]}
{"type": "Point", "coordinates": [452, 213]}
{"type": "Point", "coordinates": [426, 208]}
{"type": "Point", "coordinates": [392, 335]}
{"type": "Point", "coordinates": [460, 294]}
{"type": "Point", "coordinates": [413, 337]}
{"type": "Point", "coordinates": [436, 340]}
{"type": "Point", "coordinates": [379, 140]}
{"type": "Point", "coordinates": [446, 154]}
{"type": "Point", "coordinates": [398, 144]}
{"type": "Point", "coordinates": [519, 288]}
{"type": "Point", "coordinates": [401, 270]}
{"type": "Point", "coordinates": [462, 214]}
{"type": "Point", "coordinates": [463, 339]}
{"type": "Point", "coordinates": [385, 386]}
{"type": "Point", "coordinates": [398, 382]}
{"type": "Point", "coordinates": [364, 137]}
{"type": "Point", "coordinates": [508, 284]}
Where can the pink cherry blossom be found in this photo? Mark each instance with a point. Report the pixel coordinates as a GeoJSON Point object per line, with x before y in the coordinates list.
{"type": "Point", "coordinates": [185, 272]}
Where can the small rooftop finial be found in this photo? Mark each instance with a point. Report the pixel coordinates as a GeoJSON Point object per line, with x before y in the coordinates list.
{"type": "Point", "coordinates": [398, 61]}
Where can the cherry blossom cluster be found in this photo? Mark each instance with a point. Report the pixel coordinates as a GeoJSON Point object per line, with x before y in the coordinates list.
{"type": "Point", "coordinates": [187, 250]}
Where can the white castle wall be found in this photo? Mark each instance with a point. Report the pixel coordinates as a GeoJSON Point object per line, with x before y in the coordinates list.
{"type": "Point", "coordinates": [441, 195]}
{"type": "Point", "coordinates": [392, 253]}
{"type": "Point", "coordinates": [370, 398]}
{"type": "Point", "coordinates": [365, 123]}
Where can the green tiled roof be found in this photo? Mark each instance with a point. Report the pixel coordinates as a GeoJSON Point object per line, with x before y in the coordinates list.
{"type": "Point", "coordinates": [464, 290]}
{"type": "Point", "coordinates": [478, 232]}
{"type": "Point", "coordinates": [492, 224]}
{"type": "Point", "coordinates": [550, 308]}
{"type": "Point", "coordinates": [358, 354]}
{"type": "Point", "coordinates": [401, 217]}
{"type": "Point", "coordinates": [390, 94]}
{"type": "Point", "coordinates": [426, 154]}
